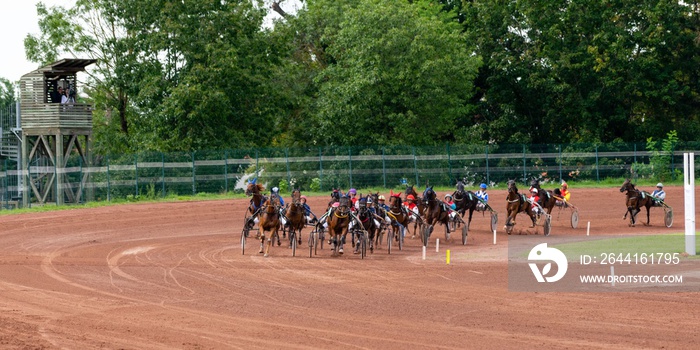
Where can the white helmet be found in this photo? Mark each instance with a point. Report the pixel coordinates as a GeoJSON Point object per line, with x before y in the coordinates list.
{"type": "Point", "coordinates": [660, 185]}
{"type": "Point", "coordinates": [533, 190]}
{"type": "Point", "coordinates": [275, 189]}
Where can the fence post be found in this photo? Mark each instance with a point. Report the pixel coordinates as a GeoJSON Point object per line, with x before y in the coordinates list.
{"type": "Point", "coordinates": [673, 173]}
{"type": "Point", "coordinates": [7, 185]}
{"type": "Point", "coordinates": [162, 174]}
{"type": "Point", "coordinates": [350, 165]}
{"type": "Point", "coordinates": [597, 168]}
{"type": "Point", "coordinates": [256, 164]}
{"type": "Point", "coordinates": [109, 184]}
{"type": "Point", "coordinates": [80, 178]}
{"type": "Point", "coordinates": [136, 173]}
{"type": "Point", "coordinates": [449, 162]}
{"type": "Point", "coordinates": [383, 167]}
{"type": "Point", "coordinates": [488, 175]}
{"type": "Point", "coordinates": [415, 164]}
{"type": "Point", "coordinates": [226, 171]}
{"type": "Point", "coordinates": [561, 176]}
{"type": "Point", "coordinates": [289, 174]}
{"type": "Point", "coordinates": [635, 152]}
{"type": "Point", "coordinates": [194, 176]}
{"type": "Point", "coordinates": [320, 168]}
{"type": "Point", "coordinates": [524, 166]}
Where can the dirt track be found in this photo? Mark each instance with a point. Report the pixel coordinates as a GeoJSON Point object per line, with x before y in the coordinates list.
{"type": "Point", "coordinates": [171, 275]}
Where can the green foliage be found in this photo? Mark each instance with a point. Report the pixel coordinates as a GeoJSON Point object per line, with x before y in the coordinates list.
{"type": "Point", "coordinates": [660, 159]}
{"type": "Point", "coordinates": [315, 185]}
{"type": "Point", "coordinates": [283, 186]}
{"type": "Point", "coordinates": [7, 92]}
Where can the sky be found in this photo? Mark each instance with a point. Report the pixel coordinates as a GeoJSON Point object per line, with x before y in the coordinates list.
{"type": "Point", "coordinates": [18, 18]}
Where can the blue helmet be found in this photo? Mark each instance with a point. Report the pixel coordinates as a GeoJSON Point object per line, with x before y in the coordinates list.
{"type": "Point", "coordinates": [483, 186]}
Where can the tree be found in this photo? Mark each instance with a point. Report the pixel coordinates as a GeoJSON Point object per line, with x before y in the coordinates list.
{"type": "Point", "coordinates": [384, 72]}
{"type": "Point", "coordinates": [90, 29]}
{"type": "Point", "coordinates": [7, 92]}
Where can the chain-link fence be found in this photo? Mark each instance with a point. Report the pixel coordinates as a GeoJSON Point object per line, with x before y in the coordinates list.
{"type": "Point", "coordinates": [154, 175]}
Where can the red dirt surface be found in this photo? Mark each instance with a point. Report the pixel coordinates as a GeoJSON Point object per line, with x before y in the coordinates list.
{"type": "Point", "coordinates": [171, 275]}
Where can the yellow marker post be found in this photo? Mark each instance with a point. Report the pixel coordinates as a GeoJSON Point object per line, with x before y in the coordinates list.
{"type": "Point", "coordinates": [448, 257]}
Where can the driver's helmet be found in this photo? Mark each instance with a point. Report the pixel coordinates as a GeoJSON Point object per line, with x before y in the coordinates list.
{"type": "Point", "coordinates": [303, 197]}
{"type": "Point", "coordinates": [381, 198]}
{"type": "Point", "coordinates": [411, 197]}
{"type": "Point", "coordinates": [352, 191]}
{"type": "Point", "coordinates": [533, 190]}
{"type": "Point", "coordinates": [448, 196]}
{"type": "Point", "coordinates": [660, 185]}
{"type": "Point", "coordinates": [483, 186]}
{"type": "Point", "coordinates": [275, 190]}
{"type": "Point", "coordinates": [564, 185]}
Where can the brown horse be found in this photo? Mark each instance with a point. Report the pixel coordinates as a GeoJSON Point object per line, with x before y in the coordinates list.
{"type": "Point", "coordinates": [417, 224]}
{"type": "Point", "coordinates": [635, 200]}
{"type": "Point", "coordinates": [256, 202]}
{"type": "Point", "coordinates": [436, 212]}
{"type": "Point", "coordinates": [338, 223]}
{"type": "Point", "coordinates": [295, 216]}
{"type": "Point", "coordinates": [270, 222]}
{"type": "Point", "coordinates": [517, 203]}
{"type": "Point", "coordinates": [400, 218]}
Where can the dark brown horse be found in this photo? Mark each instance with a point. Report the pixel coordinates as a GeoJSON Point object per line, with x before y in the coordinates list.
{"type": "Point", "coordinates": [465, 201]}
{"type": "Point", "coordinates": [295, 216]}
{"type": "Point", "coordinates": [635, 200]}
{"type": "Point", "coordinates": [338, 223]}
{"type": "Point", "coordinates": [270, 222]}
{"type": "Point", "coordinates": [547, 198]}
{"type": "Point", "coordinates": [366, 217]}
{"type": "Point", "coordinates": [517, 203]}
{"type": "Point", "coordinates": [436, 212]}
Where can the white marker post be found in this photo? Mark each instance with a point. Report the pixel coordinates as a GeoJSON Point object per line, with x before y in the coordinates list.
{"type": "Point", "coordinates": [588, 230]}
{"type": "Point", "coordinates": [494, 237]}
{"type": "Point", "coordinates": [423, 252]}
{"type": "Point", "coordinates": [437, 245]}
{"type": "Point", "coordinates": [689, 193]}
{"type": "Point", "coordinates": [612, 275]}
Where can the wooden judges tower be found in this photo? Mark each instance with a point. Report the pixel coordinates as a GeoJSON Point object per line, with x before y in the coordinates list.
{"type": "Point", "coordinates": [52, 131]}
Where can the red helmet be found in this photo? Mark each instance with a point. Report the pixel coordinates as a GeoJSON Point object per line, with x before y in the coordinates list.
{"type": "Point", "coordinates": [411, 197]}
{"type": "Point", "coordinates": [302, 197]}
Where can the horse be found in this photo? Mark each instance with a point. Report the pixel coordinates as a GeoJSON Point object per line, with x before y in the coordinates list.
{"type": "Point", "coordinates": [296, 219]}
{"type": "Point", "coordinates": [256, 202]}
{"type": "Point", "coordinates": [436, 211]}
{"type": "Point", "coordinates": [635, 200]}
{"type": "Point", "coordinates": [366, 217]}
{"type": "Point", "coordinates": [400, 217]}
{"type": "Point", "coordinates": [547, 198]}
{"type": "Point", "coordinates": [465, 200]}
{"type": "Point", "coordinates": [380, 213]}
{"type": "Point", "coordinates": [338, 225]}
{"type": "Point", "coordinates": [421, 207]}
{"type": "Point", "coordinates": [270, 221]}
{"type": "Point", "coordinates": [517, 203]}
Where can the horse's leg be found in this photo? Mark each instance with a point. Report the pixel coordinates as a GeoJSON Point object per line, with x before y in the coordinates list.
{"type": "Point", "coordinates": [262, 242]}
{"type": "Point", "coordinates": [647, 206]}
{"type": "Point", "coordinates": [273, 232]}
{"type": "Point", "coordinates": [471, 212]}
{"type": "Point", "coordinates": [632, 214]}
{"type": "Point", "coordinates": [343, 234]}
